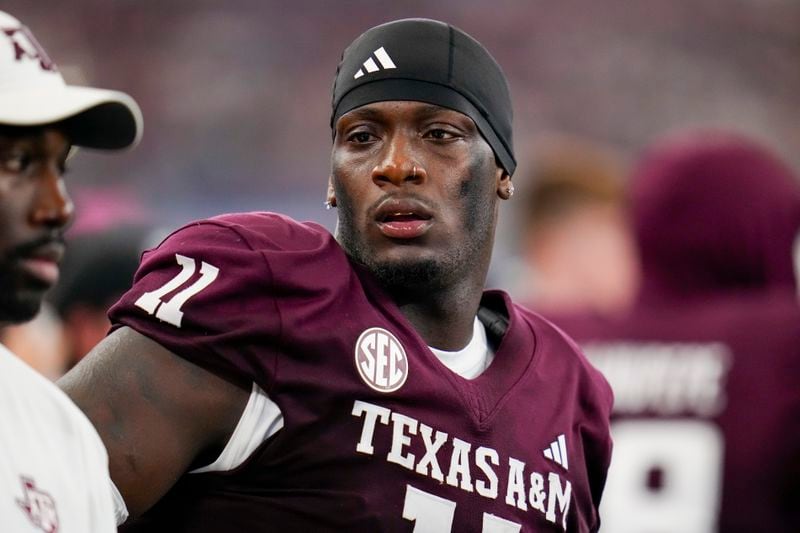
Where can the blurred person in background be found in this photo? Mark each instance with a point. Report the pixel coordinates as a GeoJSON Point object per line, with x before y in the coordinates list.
{"type": "Point", "coordinates": [97, 269]}
{"type": "Point", "coordinates": [705, 368]}
{"type": "Point", "coordinates": [53, 466]}
{"type": "Point", "coordinates": [577, 247]}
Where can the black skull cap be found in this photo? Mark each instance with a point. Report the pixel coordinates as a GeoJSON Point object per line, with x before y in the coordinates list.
{"type": "Point", "coordinates": [428, 61]}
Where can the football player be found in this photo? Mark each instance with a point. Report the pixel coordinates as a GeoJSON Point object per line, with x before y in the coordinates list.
{"type": "Point", "coordinates": [53, 467]}
{"type": "Point", "coordinates": [263, 375]}
{"type": "Point", "coordinates": [705, 367]}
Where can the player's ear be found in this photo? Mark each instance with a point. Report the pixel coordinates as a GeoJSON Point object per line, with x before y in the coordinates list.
{"type": "Point", "coordinates": [505, 189]}
{"type": "Point", "coordinates": [330, 200]}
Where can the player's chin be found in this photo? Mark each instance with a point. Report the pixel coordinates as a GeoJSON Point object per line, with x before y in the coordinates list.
{"type": "Point", "coordinates": [410, 271]}
{"type": "Point", "coordinates": [405, 254]}
{"type": "Point", "coordinates": [20, 305]}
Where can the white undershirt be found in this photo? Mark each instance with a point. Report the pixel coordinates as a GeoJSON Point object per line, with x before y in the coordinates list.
{"type": "Point", "coordinates": [470, 361]}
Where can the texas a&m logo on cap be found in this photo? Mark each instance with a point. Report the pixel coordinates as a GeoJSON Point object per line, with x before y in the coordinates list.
{"type": "Point", "coordinates": [25, 46]}
{"type": "Point", "coordinates": [381, 360]}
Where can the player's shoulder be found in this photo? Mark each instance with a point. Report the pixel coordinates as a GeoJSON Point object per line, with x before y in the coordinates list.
{"type": "Point", "coordinates": [769, 321]}
{"type": "Point", "coordinates": [257, 230]}
{"type": "Point", "coordinates": [778, 305]}
{"type": "Point", "coordinates": [274, 229]}
{"type": "Point", "coordinates": [255, 244]}
{"type": "Point", "coordinates": [236, 272]}
{"type": "Point", "coordinates": [767, 317]}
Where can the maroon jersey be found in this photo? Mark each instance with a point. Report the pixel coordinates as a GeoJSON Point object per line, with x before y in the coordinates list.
{"type": "Point", "coordinates": [706, 368]}
{"type": "Point", "coordinates": [377, 434]}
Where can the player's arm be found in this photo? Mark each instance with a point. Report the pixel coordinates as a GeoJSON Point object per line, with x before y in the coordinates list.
{"type": "Point", "coordinates": [158, 414]}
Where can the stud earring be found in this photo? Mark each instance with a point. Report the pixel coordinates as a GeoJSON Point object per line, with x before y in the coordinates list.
{"type": "Point", "coordinates": [510, 190]}
{"type": "Point", "coordinates": [328, 205]}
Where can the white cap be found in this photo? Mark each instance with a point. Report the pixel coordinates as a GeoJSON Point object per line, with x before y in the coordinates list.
{"type": "Point", "coordinates": [33, 93]}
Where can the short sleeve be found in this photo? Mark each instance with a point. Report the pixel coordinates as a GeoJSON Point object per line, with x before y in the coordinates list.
{"type": "Point", "coordinates": [204, 294]}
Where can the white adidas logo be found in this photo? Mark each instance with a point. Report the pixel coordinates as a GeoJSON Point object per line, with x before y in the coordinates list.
{"type": "Point", "coordinates": [370, 65]}
{"type": "Point", "coordinates": [558, 451]}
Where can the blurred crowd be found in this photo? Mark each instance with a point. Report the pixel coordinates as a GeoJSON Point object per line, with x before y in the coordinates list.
{"type": "Point", "coordinates": [236, 94]}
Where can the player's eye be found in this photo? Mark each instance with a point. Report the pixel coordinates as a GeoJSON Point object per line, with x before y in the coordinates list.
{"type": "Point", "coordinates": [15, 161]}
{"type": "Point", "coordinates": [440, 134]}
{"type": "Point", "coordinates": [360, 137]}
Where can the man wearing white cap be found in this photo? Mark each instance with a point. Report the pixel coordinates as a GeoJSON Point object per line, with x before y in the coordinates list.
{"type": "Point", "coordinates": [53, 466]}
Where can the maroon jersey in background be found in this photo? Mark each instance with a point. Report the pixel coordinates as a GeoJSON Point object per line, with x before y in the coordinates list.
{"type": "Point", "coordinates": [374, 433]}
{"type": "Point", "coordinates": [706, 368]}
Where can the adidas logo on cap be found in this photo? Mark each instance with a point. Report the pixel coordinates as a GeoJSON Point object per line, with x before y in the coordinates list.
{"type": "Point", "coordinates": [370, 65]}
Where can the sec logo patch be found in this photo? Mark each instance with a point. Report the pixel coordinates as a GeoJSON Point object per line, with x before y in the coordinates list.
{"type": "Point", "coordinates": [381, 360]}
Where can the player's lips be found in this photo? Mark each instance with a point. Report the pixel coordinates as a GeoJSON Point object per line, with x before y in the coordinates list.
{"type": "Point", "coordinates": [42, 262]}
{"type": "Point", "coordinates": [403, 218]}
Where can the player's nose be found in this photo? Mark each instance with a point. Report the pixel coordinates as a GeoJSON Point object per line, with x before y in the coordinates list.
{"type": "Point", "coordinates": [52, 205]}
{"type": "Point", "coordinates": [399, 164]}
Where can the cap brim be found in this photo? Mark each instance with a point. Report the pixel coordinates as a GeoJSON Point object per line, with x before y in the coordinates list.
{"type": "Point", "coordinates": [92, 118]}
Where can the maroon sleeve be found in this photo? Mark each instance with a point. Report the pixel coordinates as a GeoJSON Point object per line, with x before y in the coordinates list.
{"type": "Point", "coordinates": [205, 294]}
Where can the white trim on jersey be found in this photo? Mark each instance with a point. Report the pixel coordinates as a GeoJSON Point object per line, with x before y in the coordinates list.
{"type": "Point", "coordinates": [260, 420]}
